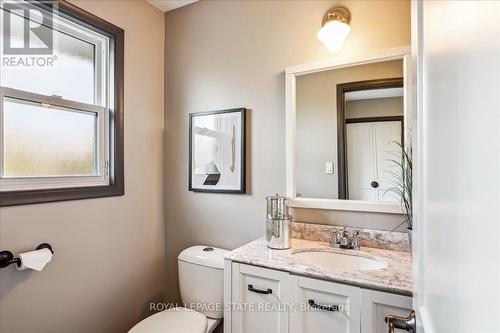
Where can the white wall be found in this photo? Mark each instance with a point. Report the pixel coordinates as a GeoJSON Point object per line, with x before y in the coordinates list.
{"type": "Point", "coordinates": [458, 163]}
{"type": "Point", "coordinates": [226, 54]}
{"type": "Point", "coordinates": [109, 253]}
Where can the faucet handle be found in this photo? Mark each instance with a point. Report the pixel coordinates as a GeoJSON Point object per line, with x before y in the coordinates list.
{"type": "Point", "coordinates": [355, 240]}
{"type": "Point", "coordinates": [334, 239]}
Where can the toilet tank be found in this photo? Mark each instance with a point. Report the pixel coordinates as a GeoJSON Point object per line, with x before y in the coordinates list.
{"type": "Point", "coordinates": [201, 279]}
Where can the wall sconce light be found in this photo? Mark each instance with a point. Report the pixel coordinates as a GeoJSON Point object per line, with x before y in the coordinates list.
{"type": "Point", "coordinates": [335, 28]}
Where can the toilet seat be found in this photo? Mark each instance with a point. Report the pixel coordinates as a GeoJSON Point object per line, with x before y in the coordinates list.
{"type": "Point", "coordinates": [176, 320]}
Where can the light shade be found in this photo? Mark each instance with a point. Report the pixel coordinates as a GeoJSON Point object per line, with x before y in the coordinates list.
{"type": "Point", "coordinates": [333, 34]}
{"type": "Point", "coordinates": [335, 28]}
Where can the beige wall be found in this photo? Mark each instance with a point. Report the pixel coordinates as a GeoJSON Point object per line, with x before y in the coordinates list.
{"type": "Point", "coordinates": [109, 253]}
{"type": "Point", "coordinates": [316, 128]}
{"type": "Point", "coordinates": [375, 107]}
{"type": "Point", "coordinates": [226, 54]}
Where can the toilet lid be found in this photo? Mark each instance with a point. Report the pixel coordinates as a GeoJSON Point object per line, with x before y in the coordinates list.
{"type": "Point", "coordinates": [176, 320]}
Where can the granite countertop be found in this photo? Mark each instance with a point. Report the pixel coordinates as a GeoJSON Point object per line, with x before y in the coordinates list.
{"type": "Point", "coordinates": [395, 278]}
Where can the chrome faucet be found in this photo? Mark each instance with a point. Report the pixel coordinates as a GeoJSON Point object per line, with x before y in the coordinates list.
{"type": "Point", "coordinates": [340, 239]}
{"type": "Point", "coordinates": [344, 237]}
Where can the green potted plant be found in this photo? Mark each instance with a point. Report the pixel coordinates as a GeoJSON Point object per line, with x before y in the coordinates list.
{"type": "Point", "coordinates": [403, 185]}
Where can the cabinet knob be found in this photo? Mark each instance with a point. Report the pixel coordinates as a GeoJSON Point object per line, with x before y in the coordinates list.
{"type": "Point", "coordinates": [374, 184]}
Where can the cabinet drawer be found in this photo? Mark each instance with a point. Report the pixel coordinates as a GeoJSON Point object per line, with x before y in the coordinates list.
{"type": "Point", "coordinates": [376, 305]}
{"type": "Point", "coordinates": [258, 296]}
{"type": "Point", "coordinates": [314, 310]}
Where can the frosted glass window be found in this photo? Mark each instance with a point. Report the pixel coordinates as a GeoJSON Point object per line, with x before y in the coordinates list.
{"type": "Point", "coordinates": [42, 141]}
{"type": "Point", "coordinates": [71, 73]}
{"type": "Point", "coordinates": [61, 103]}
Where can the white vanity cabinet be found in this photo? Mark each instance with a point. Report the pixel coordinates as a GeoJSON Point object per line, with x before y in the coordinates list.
{"type": "Point", "coordinates": [259, 297]}
{"type": "Point", "coordinates": [262, 300]}
{"type": "Point", "coordinates": [313, 310]}
{"type": "Point", "coordinates": [376, 305]}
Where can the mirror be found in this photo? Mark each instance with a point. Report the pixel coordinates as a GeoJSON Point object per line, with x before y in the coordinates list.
{"type": "Point", "coordinates": [373, 137]}
{"type": "Point", "coordinates": [349, 130]}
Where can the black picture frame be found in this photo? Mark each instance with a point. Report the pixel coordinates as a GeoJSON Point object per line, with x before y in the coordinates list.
{"type": "Point", "coordinates": [242, 175]}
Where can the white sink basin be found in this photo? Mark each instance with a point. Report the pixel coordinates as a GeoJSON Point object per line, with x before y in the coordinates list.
{"type": "Point", "coordinates": [332, 260]}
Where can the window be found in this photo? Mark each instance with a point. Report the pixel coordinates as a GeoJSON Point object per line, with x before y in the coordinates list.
{"type": "Point", "coordinates": [61, 104]}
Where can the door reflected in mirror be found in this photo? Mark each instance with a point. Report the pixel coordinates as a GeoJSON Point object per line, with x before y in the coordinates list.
{"type": "Point", "coordinates": [349, 132]}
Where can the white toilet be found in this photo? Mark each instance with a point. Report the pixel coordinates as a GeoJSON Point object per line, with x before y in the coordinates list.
{"type": "Point", "coordinates": [201, 281]}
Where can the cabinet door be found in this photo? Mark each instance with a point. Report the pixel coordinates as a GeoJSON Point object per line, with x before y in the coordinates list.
{"type": "Point", "coordinates": [314, 304]}
{"type": "Point", "coordinates": [376, 305]}
{"type": "Point", "coordinates": [259, 296]}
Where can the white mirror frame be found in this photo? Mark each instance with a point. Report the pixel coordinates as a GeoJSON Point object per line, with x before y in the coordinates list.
{"type": "Point", "coordinates": [291, 74]}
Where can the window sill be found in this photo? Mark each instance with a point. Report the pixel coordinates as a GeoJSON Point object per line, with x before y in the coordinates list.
{"type": "Point", "coordinates": [14, 198]}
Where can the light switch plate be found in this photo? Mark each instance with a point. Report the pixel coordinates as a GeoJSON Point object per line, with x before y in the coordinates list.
{"type": "Point", "coordinates": [328, 167]}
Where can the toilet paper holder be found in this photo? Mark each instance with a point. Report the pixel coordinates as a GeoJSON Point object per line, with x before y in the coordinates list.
{"type": "Point", "coordinates": [7, 258]}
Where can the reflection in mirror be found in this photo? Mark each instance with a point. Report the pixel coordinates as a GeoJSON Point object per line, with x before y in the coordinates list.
{"type": "Point", "coordinates": [373, 138]}
{"type": "Point", "coordinates": [349, 132]}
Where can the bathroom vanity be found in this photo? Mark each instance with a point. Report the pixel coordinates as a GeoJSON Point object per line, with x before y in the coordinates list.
{"type": "Point", "coordinates": [313, 287]}
{"type": "Point", "coordinates": [348, 127]}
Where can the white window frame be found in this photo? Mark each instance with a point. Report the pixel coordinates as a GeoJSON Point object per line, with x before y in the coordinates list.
{"type": "Point", "coordinates": [103, 102]}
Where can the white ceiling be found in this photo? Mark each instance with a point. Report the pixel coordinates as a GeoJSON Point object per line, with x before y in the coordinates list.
{"type": "Point", "coordinates": [166, 5]}
{"type": "Point", "coordinates": [374, 93]}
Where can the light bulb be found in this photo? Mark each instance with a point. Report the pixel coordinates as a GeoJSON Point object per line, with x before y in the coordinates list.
{"type": "Point", "coordinates": [333, 34]}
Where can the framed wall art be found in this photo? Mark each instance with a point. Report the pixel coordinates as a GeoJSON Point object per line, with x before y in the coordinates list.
{"type": "Point", "coordinates": [217, 151]}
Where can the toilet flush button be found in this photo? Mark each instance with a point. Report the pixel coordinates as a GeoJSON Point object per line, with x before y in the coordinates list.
{"type": "Point", "coordinates": [208, 249]}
